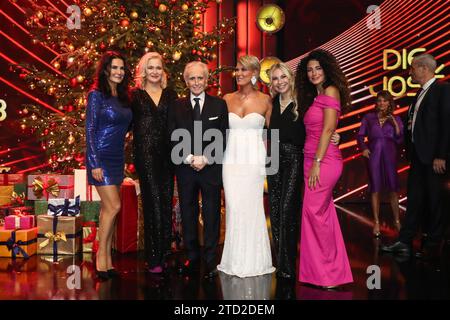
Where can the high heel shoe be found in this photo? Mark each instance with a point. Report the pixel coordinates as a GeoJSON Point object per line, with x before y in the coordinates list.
{"type": "Point", "coordinates": [376, 230]}
{"type": "Point", "coordinates": [113, 273]}
{"type": "Point", "coordinates": [102, 275]}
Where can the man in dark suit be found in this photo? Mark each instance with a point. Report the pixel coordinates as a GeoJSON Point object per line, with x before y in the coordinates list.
{"type": "Point", "coordinates": [198, 159]}
{"type": "Point", "coordinates": [427, 141]}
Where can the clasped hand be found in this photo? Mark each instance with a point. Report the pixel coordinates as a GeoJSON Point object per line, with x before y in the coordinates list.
{"type": "Point", "coordinates": [198, 163]}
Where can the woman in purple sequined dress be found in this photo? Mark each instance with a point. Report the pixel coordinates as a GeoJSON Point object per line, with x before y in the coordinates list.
{"type": "Point", "coordinates": [385, 133]}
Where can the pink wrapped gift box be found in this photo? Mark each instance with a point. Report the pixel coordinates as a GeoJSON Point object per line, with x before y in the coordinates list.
{"type": "Point", "coordinates": [14, 222]}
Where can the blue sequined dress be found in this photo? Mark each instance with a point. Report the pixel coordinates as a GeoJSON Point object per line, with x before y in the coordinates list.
{"type": "Point", "coordinates": [107, 122]}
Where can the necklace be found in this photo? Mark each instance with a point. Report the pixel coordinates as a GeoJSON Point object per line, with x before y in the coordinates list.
{"type": "Point", "coordinates": [283, 106]}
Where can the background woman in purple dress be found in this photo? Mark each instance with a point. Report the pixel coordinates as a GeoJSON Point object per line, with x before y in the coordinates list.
{"type": "Point", "coordinates": [385, 133]}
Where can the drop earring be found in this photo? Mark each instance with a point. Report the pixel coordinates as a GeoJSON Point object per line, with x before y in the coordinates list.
{"type": "Point", "coordinates": [253, 80]}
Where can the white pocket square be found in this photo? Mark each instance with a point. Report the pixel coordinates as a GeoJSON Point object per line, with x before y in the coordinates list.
{"type": "Point", "coordinates": [213, 118]}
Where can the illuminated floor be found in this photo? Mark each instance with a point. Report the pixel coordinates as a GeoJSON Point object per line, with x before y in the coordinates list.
{"type": "Point", "coordinates": [40, 278]}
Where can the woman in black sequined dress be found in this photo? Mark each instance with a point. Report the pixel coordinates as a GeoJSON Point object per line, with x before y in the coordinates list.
{"type": "Point", "coordinates": [285, 185]}
{"type": "Point", "coordinates": [150, 101]}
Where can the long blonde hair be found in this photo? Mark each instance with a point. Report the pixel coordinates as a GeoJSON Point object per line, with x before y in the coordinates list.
{"type": "Point", "coordinates": [292, 91]}
{"type": "Point", "coordinates": [140, 77]}
{"type": "Point", "coordinates": [251, 63]}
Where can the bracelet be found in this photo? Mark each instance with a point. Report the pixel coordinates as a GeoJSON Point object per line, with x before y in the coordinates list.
{"type": "Point", "coordinates": [318, 160]}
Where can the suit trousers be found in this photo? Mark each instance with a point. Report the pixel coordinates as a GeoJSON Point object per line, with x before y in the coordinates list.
{"type": "Point", "coordinates": [188, 191]}
{"type": "Point", "coordinates": [425, 202]}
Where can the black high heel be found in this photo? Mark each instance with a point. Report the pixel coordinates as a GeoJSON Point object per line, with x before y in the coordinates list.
{"type": "Point", "coordinates": [113, 273]}
{"type": "Point", "coordinates": [102, 275]}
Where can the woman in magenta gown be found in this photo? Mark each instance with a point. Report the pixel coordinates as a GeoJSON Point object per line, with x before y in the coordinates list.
{"type": "Point", "coordinates": [385, 133]}
{"type": "Point", "coordinates": [323, 96]}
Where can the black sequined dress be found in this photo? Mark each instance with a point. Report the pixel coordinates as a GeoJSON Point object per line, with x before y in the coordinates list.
{"type": "Point", "coordinates": [285, 187]}
{"type": "Point", "coordinates": [151, 149]}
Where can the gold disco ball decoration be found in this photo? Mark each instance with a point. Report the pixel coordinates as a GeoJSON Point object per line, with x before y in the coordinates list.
{"type": "Point", "coordinates": [266, 64]}
{"type": "Point", "coordinates": [270, 18]}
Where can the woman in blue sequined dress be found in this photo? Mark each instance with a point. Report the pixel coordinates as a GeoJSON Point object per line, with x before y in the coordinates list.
{"type": "Point", "coordinates": [108, 118]}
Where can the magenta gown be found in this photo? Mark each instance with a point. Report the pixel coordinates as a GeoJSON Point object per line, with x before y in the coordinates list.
{"type": "Point", "coordinates": [323, 257]}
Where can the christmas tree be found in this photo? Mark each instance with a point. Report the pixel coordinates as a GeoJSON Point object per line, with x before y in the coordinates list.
{"type": "Point", "coordinates": [169, 27]}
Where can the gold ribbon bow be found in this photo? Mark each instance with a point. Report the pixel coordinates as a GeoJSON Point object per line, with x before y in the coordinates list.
{"type": "Point", "coordinates": [59, 236]}
{"type": "Point", "coordinates": [39, 187]}
{"type": "Point", "coordinates": [18, 198]}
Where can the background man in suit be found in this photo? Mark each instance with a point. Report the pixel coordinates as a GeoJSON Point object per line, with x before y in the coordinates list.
{"type": "Point", "coordinates": [199, 171]}
{"type": "Point", "coordinates": [427, 141]}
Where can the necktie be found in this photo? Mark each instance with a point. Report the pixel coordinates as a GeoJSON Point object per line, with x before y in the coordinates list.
{"type": "Point", "coordinates": [197, 116]}
{"type": "Point", "coordinates": [413, 108]}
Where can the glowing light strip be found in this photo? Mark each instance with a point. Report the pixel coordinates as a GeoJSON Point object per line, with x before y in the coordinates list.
{"type": "Point", "coordinates": [364, 186]}
{"type": "Point", "coordinates": [374, 58]}
{"type": "Point", "coordinates": [358, 217]}
{"type": "Point", "coordinates": [19, 160]}
{"type": "Point", "coordinates": [343, 38]}
{"type": "Point", "coordinates": [30, 96]}
{"type": "Point", "coordinates": [33, 168]}
{"type": "Point", "coordinates": [360, 37]}
{"type": "Point", "coordinates": [32, 54]}
{"type": "Point", "coordinates": [350, 53]}
{"type": "Point", "coordinates": [56, 8]}
{"type": "Point", "coordinates": [17, 6]}
{"type": "Point", "coordinates": [26, 31]}
{"type": "Point", "coordinates": [377, 46]}
{"type": "Point", "coordinates": [381, 39]}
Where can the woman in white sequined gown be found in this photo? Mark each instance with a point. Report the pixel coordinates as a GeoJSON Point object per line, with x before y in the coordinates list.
{"type": "Point", "coordinates": [246, 250]}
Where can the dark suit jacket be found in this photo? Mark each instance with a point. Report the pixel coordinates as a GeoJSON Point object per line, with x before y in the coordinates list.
{"type": "Point", "coordinates": [432, 127]}
{"type": "Point", "coordinates": [214, 116]}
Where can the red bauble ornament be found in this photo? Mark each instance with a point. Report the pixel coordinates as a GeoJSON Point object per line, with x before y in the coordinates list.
{"type": "Point", "coordinates": [73, 82]}
{"type": "Point", "coordinates": [70, 108]}
{"type": "Point", "coordinates": [79, 157]}
{"type": "Point", "coordinates": [102, 46]}
{"type": "Point", "coordinates": [22, 76]}
{"type": "Point", "coordinates": [46, 131]}
{"type": "Point", "coordinates": [194, 51]}
{"type": "Point", "coordinates": [54, 157]}
{"type": "Point", "coordinates": [124, 23]}
{"type": "Point", "coordinates": [131, 168]}
{"type": "Point", "coordinates": [156, 4]}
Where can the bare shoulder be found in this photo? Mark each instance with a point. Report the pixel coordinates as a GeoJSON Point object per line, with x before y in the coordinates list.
{"type": "Point", "coordinates": [228, 96]}
{"type": "Point", "coordinates": [265, 98]}
{"type": "Point", "coordinates": [332, 91]}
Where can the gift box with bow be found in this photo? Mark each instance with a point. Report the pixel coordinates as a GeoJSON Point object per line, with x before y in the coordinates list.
{"type": "Point", "coordinates": [127, 227]}
{"type": "Point", "coordinates": [17, 243]}
{"type": "Point", "coordinates": [5, 195]}
{"type": "Point", "coordinates": [17, 222]}
{"type": "Point", "coordinates": [59, 235]}
{"type": "Point", "coordinates": [90, 237]}
{"type": "Point", "coordinates": [10, 179]}
{"type": "Point", "coordinates": [86, 191]}
{"type": "Point", "coordinates": [64, 207]}
{"type": "Point", "coordinates": [50, 186]}
{"type": "Point", "coordinates": [90, 210]}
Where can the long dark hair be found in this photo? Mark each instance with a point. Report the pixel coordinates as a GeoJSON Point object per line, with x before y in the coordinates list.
{"type": "Point", "coordinates": [102, 74]}
{"type": "Point", "coordinates": [386, 96]}
{"type": "Point", "coordinates": [306, 91]}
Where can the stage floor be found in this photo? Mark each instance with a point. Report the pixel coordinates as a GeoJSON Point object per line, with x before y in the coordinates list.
{"type": "Point", "coordinates": [42, 279]}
